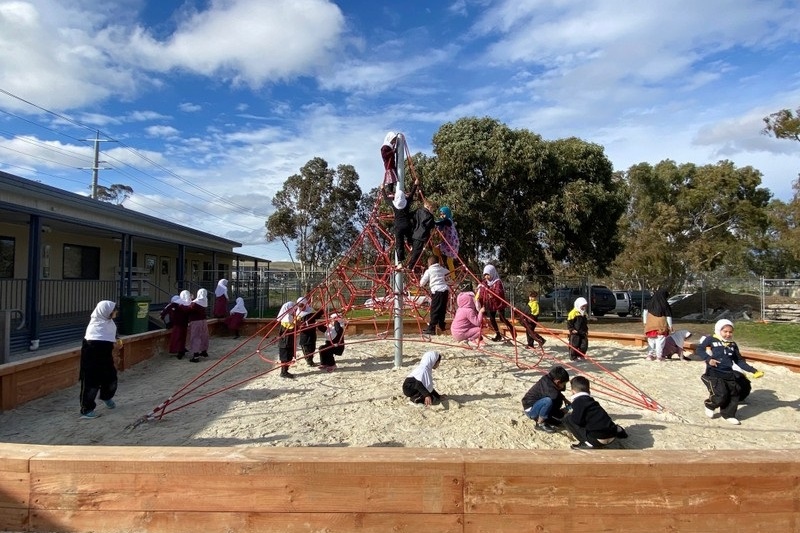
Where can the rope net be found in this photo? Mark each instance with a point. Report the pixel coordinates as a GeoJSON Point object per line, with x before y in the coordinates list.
{"type": "Point", "coordinates": [361, 288]}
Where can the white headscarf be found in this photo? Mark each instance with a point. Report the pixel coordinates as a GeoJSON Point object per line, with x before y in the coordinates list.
{"type": "Point", "coordinates": [222, 288]}
{"type": "Point", "coordinates": [303, 309]}
{"type": "Point", "coordinates": [424, 370]}
{"type": "Point", "coordinates": [680, 336]}
{"type": "Point", "coordinates": [399, 201]}
{"type": "Point", "coordinates": [330, 331]}
{"type": "Point", "coordinates": [493, 277]}
{"type": "Point", "coordinates": [176, 299]}
{"type": "Point", "coordinates": [202, 298]}
{"type": "Point", "coordinates": [239, 307]}
{"type": "Point", "coordinates": [580, 302]}
{"type": "Point", "coordinates": [186, 298]}
{"type": "Point", "coordinates": [101, 326]}
{"type": "Point", "coordinates": [286, 314]}
{"type": "Point", "coordinates": [719, 325]}
{"type": "Point", "coordinates": [390, 136]}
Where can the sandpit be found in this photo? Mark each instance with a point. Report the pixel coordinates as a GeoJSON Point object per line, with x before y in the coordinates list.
{"type": "Point", "coordinates": [360, 404]}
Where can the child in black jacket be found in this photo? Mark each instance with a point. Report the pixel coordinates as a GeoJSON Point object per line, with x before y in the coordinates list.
{"type": "Point", "coordinates": [588, 422]}
{"type": "Point", "coordinates": [546, 397]}
{"type": "Point", "coordinates": [423, 226]}
{"type": "Point", "coordinates": [403, 225]}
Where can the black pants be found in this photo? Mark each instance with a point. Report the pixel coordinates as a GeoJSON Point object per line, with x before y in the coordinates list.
{"type": "Point", "coordinates": [579, 345]}
{"type": "Point", "coordinates": [286, 348]}
{"type": "Point", "coordinates": [97, 374]}
{"type": "Point", "coordinates": [327, 352]}
{"type": "Point", "coordinates": [493, 321]}
{"type": "Point", "coordinates": [582, 435]}
{"type": "Point", "coordinates": [402, 235]}
{"type": "Point", "coordinates": [723, 393]}
{"type": "Point", "coordinates": [530, 331]}
{"type": "Point", "coordinates": [438, 311]}
{"type": "Point", "coordinates": [416, 250]}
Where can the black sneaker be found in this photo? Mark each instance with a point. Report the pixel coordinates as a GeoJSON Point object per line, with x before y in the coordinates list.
{"type": "Point", "coordinates": [545, 427]}
{"type": "Point", "coordinates": [497, 338]}
{"type": "Point", "coordinates": [581, 446]}
{"type": "Point", "coordinates": [287, 375]}
{"type": "Point", "coordinates": [195, 359]}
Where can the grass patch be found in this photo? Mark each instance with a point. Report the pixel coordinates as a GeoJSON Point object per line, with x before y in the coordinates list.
{"type": "Point", "coordinates": [775, 336]}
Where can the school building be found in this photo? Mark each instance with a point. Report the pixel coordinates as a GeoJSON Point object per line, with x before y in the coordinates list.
{"type": "Point", "coordinates": [61, 253]}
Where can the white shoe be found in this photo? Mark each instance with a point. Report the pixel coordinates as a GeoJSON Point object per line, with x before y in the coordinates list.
{"type": "Point", "coordinates": [709, 413]}
{"type": "Point", "coordinates": [734, 421]}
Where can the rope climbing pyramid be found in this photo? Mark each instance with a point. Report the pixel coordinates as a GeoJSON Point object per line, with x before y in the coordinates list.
{"type": "Point", "coordinates": [383, 301]}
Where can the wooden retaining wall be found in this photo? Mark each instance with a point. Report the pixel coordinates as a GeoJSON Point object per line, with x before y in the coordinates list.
{"type": "Point", "coordinates": [379, 490]}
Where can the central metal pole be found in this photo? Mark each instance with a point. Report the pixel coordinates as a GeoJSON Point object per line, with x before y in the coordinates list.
{"type": "Point", "coordinates": [398, 276]}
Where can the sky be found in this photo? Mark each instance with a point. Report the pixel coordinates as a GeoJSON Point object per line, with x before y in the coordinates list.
{"type": "Point", "coordinates": [205, 107]}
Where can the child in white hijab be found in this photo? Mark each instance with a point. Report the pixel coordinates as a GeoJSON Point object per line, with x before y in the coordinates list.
{"type": "Point", "coordinates": [97, 371]}
{"type": "Point", "coordinates": [287, 317]}
{"type": "Point", "coordinates": [389, 156]}
{"type": "Point", "coordinates": [221, 299]}
{"type": "Point", "coordinates": [418, 386]}
{"type": "Point", "coordinates": [236, 318]}
{"type": "Point", "coordinates": [198, 327]}
{"type": "Point", "coordinates": [578, 326]}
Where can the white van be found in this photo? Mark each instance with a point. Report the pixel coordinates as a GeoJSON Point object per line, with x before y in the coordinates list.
{"type": "Point", "coordinates": [623, 307]}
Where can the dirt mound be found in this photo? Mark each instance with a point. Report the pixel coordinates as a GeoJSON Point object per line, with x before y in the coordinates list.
{"type": "Point", "coordinates": [717, 300]}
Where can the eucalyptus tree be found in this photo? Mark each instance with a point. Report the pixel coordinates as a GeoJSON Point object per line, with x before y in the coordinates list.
{"type": "Point", "coordinates": [315, 211]}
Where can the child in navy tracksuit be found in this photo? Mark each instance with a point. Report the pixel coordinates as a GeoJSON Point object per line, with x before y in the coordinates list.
{"type": "Point", "coordinates": [403, 226]}
{"type": "Point", "coordinates": [423, 226]}
{"type": "Point", "coordinates": [588, 422]}
{"type": "Point", "coordinates": [724, 389]}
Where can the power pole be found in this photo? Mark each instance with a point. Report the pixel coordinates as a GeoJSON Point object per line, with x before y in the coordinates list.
{"type": "Point", "coordinates": [95, 167]}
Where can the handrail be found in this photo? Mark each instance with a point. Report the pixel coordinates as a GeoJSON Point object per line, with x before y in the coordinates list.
{"type": "Point", "coordinates": [21, 314]}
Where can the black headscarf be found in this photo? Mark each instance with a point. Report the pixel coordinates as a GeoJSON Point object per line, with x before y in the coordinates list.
{"type": "Point", "coordinates": [658, 305]}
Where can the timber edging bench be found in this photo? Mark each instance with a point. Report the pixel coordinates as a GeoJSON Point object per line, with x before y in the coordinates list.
{"type": "Point", "coordinates": [378, 490]}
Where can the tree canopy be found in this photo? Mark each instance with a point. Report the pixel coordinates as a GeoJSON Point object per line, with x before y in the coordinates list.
{"type": "Point", "coordinates": [316, 209]}
{"type": "Point", "coordinates": [532, 205]}
{"type": "Point", "coordinates": [783, 124]}
{"type": "Point", "coordinates": [114, 194]}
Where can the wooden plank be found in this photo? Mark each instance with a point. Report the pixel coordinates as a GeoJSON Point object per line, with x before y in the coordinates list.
{"type": "Point", "coordinates": [657, 494]}
{"type": "Point", "coordinates": [591, 523]}
{"type": "Point", "coordinates": [377, 492]}
{"type": "Point", "coordinates": [15, 519]}
{"type": "Point", "coordinates": [16, 457]}
{"type": "Point", "coordinates": [244, 522]}
{"type": "Point", "coordinates": [15, 488]}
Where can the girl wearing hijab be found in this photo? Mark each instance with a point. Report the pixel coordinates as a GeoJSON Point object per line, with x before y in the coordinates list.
{"type": "Point", "coordinates": [674, 345]}
{"type": "Point", "coordinates": [236, 318]}
{"type": "Point", "coordinates": [418, 386]}
{"type": "Point", "coordinates": [177, 338]}
{"type": "Point", "coordinates": [334, 343]}
{"type": "Point", "coordinates": [221, 299]}
{"type": "Point", "coordinates": [721, 354]}
{"type": "Point", "coordinates": [198, 327]}
{"type": "Point", "coordinates": [578, 326]}
{"type": "Point", "coordinates": [389, 156]}
{"type": "Point", "coordinates": [448, 248]}
{"type": "Point", "coordinates": [180, 326]}
{"type": "Point", "coordinates": [286, 347]}
{"type": "Point", "coordinates": [307, 331]}
{"type": "Point", "coordinates": [97, 371]}
{"type": "Point", "coordinates": [403, 227]}
{"type": "Point", "coordinates": [492, 297]}
{"type": "Point", "coordinates": [657, 318]}
{"type": "Point", "coordinates": [468, 321]}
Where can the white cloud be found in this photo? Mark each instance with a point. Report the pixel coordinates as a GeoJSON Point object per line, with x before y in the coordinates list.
{"type": "Point", "coordinates": [244, 41]}
{"type": "Point", "coordinates": [188, 107]}
{"type": "Point", "coordinates": [161, 131]}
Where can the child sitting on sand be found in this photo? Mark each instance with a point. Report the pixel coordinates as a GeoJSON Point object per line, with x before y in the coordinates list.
{"type": "Point", "coordinates": [418, 386]}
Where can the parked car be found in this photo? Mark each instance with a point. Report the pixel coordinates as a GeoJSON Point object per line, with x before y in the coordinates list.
{"type": "Point", "coordinates": [623, 299]}
{"type": "Point", "coordinates": [560, 301]}
{"type": "Point", "coordinates": [639, 301]}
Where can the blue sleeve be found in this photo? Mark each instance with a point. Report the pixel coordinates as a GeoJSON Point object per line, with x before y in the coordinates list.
{"type": "Point", "coordinates": [700, 350]}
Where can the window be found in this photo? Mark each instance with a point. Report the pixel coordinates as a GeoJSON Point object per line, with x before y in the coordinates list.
{"type": "Point", "coordinates": [81, 262]}
{"type": "Point", "coordinates": [7, 257]}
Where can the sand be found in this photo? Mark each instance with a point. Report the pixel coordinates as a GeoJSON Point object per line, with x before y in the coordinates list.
{"type": "Point", "coordinates": [361, 403]}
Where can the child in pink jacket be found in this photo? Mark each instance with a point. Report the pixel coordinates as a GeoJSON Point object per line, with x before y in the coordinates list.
{"type": "Point", "coordinates": [468, 321]}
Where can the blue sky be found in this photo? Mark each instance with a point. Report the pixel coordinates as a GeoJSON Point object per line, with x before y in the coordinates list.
{"type": "Point", "coordinates": [214, 103]}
